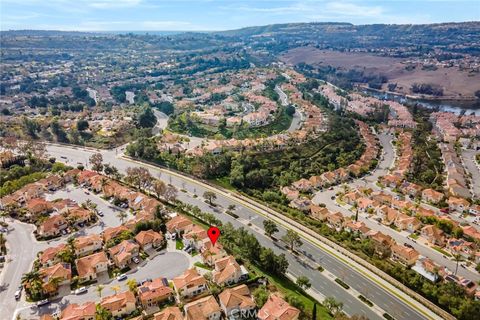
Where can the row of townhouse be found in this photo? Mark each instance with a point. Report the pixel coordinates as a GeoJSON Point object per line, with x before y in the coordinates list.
{"type": "Point", "coordinates": [339, 175]}
{"type": "Point", "coordinates": [385, 246]}
{"type": "Point", "coordinates": [392, 211]}
{"type": "Point", "coordinates": [91, 258]}
{"type": "Point", "coordinates": [233, 303]}
{"type": "Point", "coordinates": [457, 181]}
{"type": "Point", "coordinates": [451, 126]}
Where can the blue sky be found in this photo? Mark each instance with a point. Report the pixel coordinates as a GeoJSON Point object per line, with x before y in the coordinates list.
{"type": "Point", "coordinates": [205, 15]}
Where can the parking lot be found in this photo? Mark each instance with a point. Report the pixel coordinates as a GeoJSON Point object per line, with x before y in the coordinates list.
{"type": "Point", "coordinates": [80, 195]}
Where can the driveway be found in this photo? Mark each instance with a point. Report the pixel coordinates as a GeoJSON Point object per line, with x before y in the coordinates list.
{"type": "Point", "coordinates": [468, 157]}
{"type": "Point", "coordinates": [168, 265]}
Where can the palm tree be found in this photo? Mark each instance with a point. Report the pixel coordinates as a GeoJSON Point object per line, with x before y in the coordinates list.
{"type": "Point", "coordinates": [102, 314]}
{"type": "Point", "coordinates": [132, 285]}
{"type": "Point", "coordinates": [116, 289]}
{"type": "Point", "coordinates": [99, 290]}
{"type": "Point", "coordinates": [67, 255]}
{"type": "Point", "coordinates": [355, 206]}
{"type": "Point", "coordinates": [54, 282]}
{"type": "Point", "coordinates": [457, 257]}
{"type": "Point", "coordinates": [122, 215]}
{"type": "Point", "coordinates": [34, 280]}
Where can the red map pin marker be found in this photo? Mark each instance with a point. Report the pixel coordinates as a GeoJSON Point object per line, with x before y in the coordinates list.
{"type": "Point", "coordinates": [213, 234]}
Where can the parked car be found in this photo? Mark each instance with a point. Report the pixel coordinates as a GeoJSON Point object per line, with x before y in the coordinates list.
{"type": "Point", "coordinates": [100, 213]}
{"type": "Point", "coordinates": [122, 277]}
{"type": "Point", "coordinates": [42, 302]}
{"type": "Point", "coordinates": [408, 245]}
{"type": "Point", "coordinates": [145, 280]}
{"type": "Point", "coordinates": [18, 294]}
{"type": "Point", "coordinates": [81, 290]}
{"type": "Point", "coordinates": [136, 260]}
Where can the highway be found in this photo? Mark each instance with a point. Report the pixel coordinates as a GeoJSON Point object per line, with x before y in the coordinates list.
{"type": "Point", "coordinates": [378, 291]}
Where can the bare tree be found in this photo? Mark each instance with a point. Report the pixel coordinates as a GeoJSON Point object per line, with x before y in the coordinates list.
{"type": "Point", "coordinates": [97, 162]}
{"type": "Point", "coordinates": [159, 188]}
{"type": "Point", "coordinates": [139, 177]}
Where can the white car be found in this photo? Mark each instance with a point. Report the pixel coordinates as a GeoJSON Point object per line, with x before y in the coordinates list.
{"type": "Point", "coordinates": [136, 260]}
{"type": "Point", "coordinates": [122, 277]}
{"type": "Point", "coordinates": [81, 290]}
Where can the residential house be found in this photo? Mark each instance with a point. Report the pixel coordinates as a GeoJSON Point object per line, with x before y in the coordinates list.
{"type": "Point", "coordinates": [462, 247]}
{"type": "Point", "coordinates": [381, 242]}
{"type": "Point", "coordinates": [91, 266]}
{"type": "Point", "coordinates": [302, 185]}
{"type": "Point", "coordinates": [120, 304]}
{"type": "Point", "coordinates": [318, 212]}
{"type": "Point", "coordinates": [429, 269]}
{"type": "Point", "coordinates": [52, 226]}
{"type": "Point", "coordinates": [87, 244]}
{"type": "Point", "coordinates": [74, 311]}
{"type": "Point", "coordinates": [277, 308]}
{"type": "Point", "coordinates": [410, 224]}
{"type": "Point", "coordinates": [169, 313]}
{"type": "Point", "coordinates": [37, 206]}
{"type": "Point", "coordinates": [290, 193]}
{"type": "Point", "coordinates": [404, 255]}
{"type": "Point", "coordinates": [49, 256]}
{"type": "Point", "coordinates": [433, 235]}
{"type": "Point", "coordinates": [432, 196]}
{"type": "Point", "coordinates": [228, 271]}
{"type": "Point", "coordinates": [205, 308]}
{"type": "Point", "coordinates": [190, 284]}
{"type": "Point", "coordinates": [302, 204]}
{"type": "Point", "coordinates": [237, 302]}
{"type": "Point", "coordinates": [113, 232]}
{"type": "Point", "coordinates": [154, 292]}
{"type": "Point", "coordinates": [213, 254]}
{"type": "Point", "coordinates": [335, 220]}
{"type": "Point", "coordinates": [177, 224]}
{"type": "Point", "coordinates": [458, 204]}
{"type": "Point", "coordinates": [60, 271]}
{"type": "Point", "coordinates": [123, 253]}
{"type": "Point", "coordinates": [149, 239]}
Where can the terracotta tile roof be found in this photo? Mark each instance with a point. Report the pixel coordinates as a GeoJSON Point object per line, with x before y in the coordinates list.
{"type": "Point", "coordinates": [169, 313]}
{"type": "Point", "coordinates": [201, 309]}
{"type": "Point", "coordinates": [118, 301]}
{"type": "Point", "coordinates": [86, 241]}
{"type": "Point", "coordinates": [86, 265]}
{"type": "Point", "coordinates": [277, 309]}
{"type": "Point", "coordinates": [149, 236]}
{"type": "Point", "coordinates": [189, 278]}
{"type": "Point", "coordinates": [75, 311]}
{"type": "Point", "coordinates": [50, 253]}
{"type": "Point", "coordinates": [155, 290]}
{"type": "Point", "coordinates": [113, 232]}
{"type": "Point", "coordinates": [237, 297]}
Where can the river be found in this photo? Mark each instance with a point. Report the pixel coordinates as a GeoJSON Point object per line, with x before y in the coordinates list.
{"type": "Point", "coordinates": [455, 106]}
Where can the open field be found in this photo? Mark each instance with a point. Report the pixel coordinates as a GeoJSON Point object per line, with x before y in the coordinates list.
{"type": "Point", "coordinates": [455, 83]}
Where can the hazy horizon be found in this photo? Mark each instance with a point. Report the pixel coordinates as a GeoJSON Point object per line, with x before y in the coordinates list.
{"type": "Point", "coordinates": [218, 15]}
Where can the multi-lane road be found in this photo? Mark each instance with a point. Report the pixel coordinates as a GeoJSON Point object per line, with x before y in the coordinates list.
{"type": "Point", "coordinates": [385, 296]}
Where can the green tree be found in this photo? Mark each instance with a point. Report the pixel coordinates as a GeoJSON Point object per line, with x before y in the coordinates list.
{"type": "Point", "coordinates": [96, 160]}
{"type": "Point", "coordinates": [333, 306]}
{"type": "Point", "coordinates": [303, 282]}
{"type": "Point", "coordinates": [82, 125]}
{"type": "Point", "coordinates": [209, 196]}
{"type": "Point", "coordinates": [269, 227]}
{"type": "Point", "coordinates": [292, 239]}
{"type": "Point", "coordinates": [260, 295]}
{"type": "Point", "coordinates": [146, 118]}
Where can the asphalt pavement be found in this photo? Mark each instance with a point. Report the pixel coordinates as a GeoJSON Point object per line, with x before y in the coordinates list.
{"type": "Point", "coordinates": [332, 263]}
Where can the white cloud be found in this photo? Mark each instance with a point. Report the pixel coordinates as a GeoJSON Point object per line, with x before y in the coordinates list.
{"type": "Point", "coordinates": [108, 4]}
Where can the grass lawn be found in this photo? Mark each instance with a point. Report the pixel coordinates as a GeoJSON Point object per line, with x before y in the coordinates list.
{"type": "Point", "coordinates": [441, 251]}
{"type": "Point", "coordinates": [178, 244]}
{"type": "Point", "coordinates": [203, 266]}
{"type": "Point", "coordinates": [414, 236]}
{"type": "Point", "coordinates": [286, 286]}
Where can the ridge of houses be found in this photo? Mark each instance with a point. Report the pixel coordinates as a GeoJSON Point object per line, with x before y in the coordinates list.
{"type": "Point", "coordinates": [336, 176]}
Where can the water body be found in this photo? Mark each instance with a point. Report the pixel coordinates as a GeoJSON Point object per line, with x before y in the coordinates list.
{"type": "Point", "coordinates": [455, 106]}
